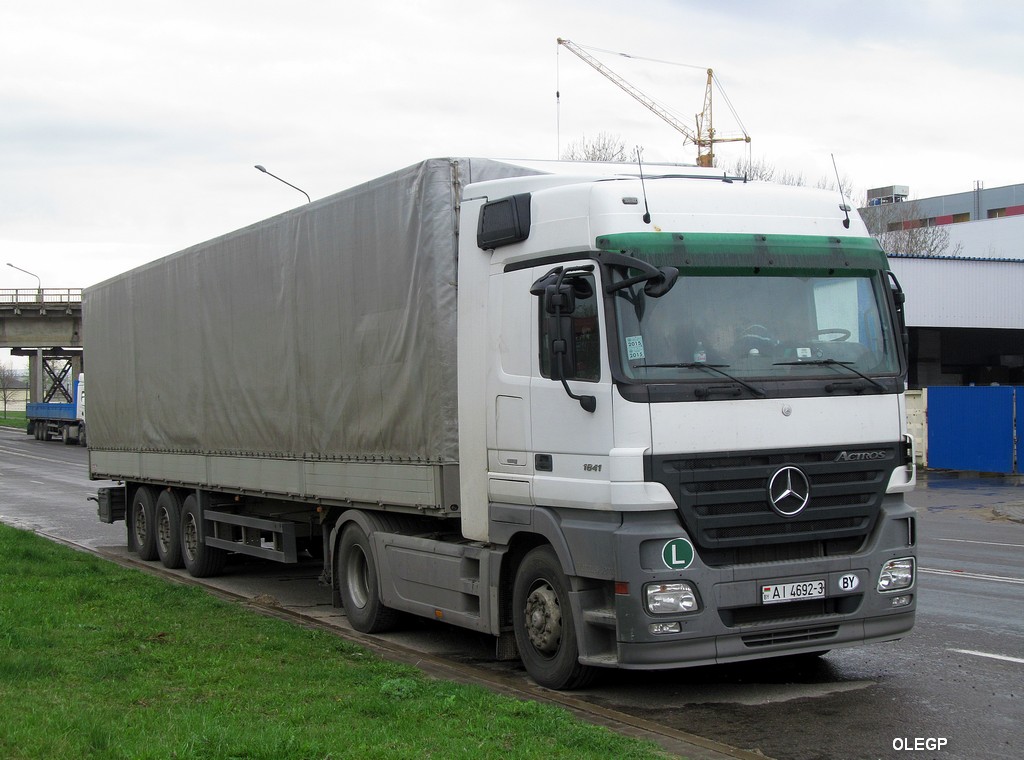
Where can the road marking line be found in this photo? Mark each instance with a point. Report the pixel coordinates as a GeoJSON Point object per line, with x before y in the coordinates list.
{"type": "Point", "coordinates": [43, 459]}
{"type": "Point", "coordinates": [986, 543]}
{"type": "Point", "coordinates": [972, 576]}
{"type": "Point", "coordinates": [990, 656]}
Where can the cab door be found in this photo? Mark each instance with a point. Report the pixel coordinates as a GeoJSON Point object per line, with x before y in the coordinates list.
{"type": "Point", "coordinates": [571, 421]}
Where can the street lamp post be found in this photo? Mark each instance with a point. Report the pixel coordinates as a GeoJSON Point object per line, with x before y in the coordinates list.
{"type": "Point", "coordinates": [264, 170]}
{"type": "Point", "coordinates": [38, 281]}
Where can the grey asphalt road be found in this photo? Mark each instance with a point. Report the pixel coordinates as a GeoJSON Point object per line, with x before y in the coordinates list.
{"type": "Point", "coordinates": [952, 689]}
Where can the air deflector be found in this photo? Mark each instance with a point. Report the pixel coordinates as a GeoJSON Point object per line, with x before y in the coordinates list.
{"type": "Point", "coordinates": [504, 221]}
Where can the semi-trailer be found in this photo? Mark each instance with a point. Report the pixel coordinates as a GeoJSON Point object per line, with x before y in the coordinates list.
{"type": "Point", "coordinates": [613, 416]}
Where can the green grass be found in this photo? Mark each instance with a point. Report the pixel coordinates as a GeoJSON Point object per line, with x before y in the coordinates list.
{"type": "Point", "coordinates": [100, 661]}
{"type": "Point", "coordinates": [13, 419]}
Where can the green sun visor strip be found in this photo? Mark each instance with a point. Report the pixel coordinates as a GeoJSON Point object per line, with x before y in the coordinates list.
{"type": "Point", "coordinates": [729, 250]}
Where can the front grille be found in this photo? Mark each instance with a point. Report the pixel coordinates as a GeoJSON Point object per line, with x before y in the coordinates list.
{"type": "Point", "coordinates": [723, 501]}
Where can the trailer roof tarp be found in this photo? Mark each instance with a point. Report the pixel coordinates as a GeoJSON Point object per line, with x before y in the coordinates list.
{"type": "Point", "coordinates": [326, 332]}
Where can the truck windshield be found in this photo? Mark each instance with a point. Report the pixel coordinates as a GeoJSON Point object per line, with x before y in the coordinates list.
{"type": "Point", "coordinates": [736, 319]}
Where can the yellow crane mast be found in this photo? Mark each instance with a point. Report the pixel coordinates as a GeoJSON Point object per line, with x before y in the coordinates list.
{"type": "Point", "coordinates": [704, 137]}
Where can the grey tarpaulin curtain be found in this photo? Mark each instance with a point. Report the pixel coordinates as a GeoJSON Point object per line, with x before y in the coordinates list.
{"type": "Point", "coordinates": [328, 331]}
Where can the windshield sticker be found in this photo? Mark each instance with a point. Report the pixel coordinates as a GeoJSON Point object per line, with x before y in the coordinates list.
{"type": "Point", "coordinates": [803, 353]}
{"type": "Point", "coordinates": [635, 347]}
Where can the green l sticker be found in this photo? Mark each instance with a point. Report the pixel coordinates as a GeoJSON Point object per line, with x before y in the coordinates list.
{"type": "Point", "coordinates": [677, 554]}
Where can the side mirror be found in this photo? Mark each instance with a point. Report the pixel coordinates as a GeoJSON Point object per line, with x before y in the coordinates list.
{"type": "Point", "coordinates": [659, 286]}
{"type": "Point", "coordinates": [559, 291]}
{"type": "Point", "coordinates": [559, 299]}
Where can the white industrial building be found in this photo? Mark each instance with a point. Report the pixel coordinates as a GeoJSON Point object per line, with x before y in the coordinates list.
{"type": "Point", "coordinates": [965, 309]}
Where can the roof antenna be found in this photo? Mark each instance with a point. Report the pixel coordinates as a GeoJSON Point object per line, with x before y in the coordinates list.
{"type": "Point", "coordinates": [643, 187]}
{"type": "Point", "coordinates": [842, 206]}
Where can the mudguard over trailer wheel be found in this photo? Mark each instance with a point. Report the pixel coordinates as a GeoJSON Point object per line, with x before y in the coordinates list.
{"type": "Point", "coordinates": [544, 624]}
{"type": "Point", "coordinates": [358, 584]}
{"type": "Point", "coordinates": [142, 524]}
{"type": "Point", "coordinates": [200, 560]}
{"type": "Point", "coordinates": [168, 528]}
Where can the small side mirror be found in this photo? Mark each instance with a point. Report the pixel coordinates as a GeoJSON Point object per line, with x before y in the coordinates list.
{"type": "Point", "coordinates": [559, 299]}
{"type": "Point", "coordinates": [659, 286]}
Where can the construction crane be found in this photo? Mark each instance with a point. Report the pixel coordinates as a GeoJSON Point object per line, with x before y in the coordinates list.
{"type": "Point", "coordinates": [704, 137]}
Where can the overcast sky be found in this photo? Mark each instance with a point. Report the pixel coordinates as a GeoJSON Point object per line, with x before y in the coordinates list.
{"type": "Point", "coordinates": [129, 130]}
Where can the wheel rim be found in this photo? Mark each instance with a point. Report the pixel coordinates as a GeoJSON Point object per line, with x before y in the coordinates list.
{"type": "Point", "coordinates": [139, 520]}
{"type": "Point", "coordinates": [190, 536]}
{"type": "Point", "coordinates": [544, 619]}
{"type": "Point", "coordinates": [163, 529]}
{"type": "Point", "coordinates": [356, 580]}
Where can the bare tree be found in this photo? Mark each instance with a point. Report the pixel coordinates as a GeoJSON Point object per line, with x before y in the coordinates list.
{"type": "Point", "coordinates": [10, 385]}
{"type": "Point", "coordinates": [902, 229]}
{"type": "Point", "coordinates": [762, 169]}
{"type": "Point", "coordinates": [604, 147]}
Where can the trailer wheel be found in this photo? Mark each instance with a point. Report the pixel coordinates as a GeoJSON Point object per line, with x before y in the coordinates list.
{"type": "Point", "coordinates": [142, 524]}
{"type": "Point", "coordinates": [358, 583]}
{"type": "Point", "coordinates": [168, 528]}
{"type": "Point", "coordinates": [65, 435]}
{"type": "Point", "coordinates": [544, 624]}
{"type": "Point", "coordinates": [200, 560]}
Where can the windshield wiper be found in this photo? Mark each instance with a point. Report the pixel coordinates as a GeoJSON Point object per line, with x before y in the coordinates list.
{"type": "Point", "coordinates": [717, 368]}
{"type": "Point", "coordinates": [834, 363]}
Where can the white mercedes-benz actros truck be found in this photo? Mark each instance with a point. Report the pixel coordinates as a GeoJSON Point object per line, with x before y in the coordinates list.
{"type": "Point", "coordinates": [615, 418]}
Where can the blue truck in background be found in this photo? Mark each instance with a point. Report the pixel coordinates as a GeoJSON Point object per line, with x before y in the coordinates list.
{"type": "Point", "coordinates": [64, 421]}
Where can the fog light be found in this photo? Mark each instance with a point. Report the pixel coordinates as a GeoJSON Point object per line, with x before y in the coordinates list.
{"type": "Point", "coordinates": [665, 628]}
{"type": "Point", "coordinates": [900, 601]}
{"type": "Point", "coordinates": [896, 574]}
{"type": "Point", "coordinates": [670, 598]}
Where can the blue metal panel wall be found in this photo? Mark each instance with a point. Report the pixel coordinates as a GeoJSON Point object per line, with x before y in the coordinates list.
{"type": "Point", "coordinates": [971, 428]}
{"type": "Point", "coordinates": [1018, 422]}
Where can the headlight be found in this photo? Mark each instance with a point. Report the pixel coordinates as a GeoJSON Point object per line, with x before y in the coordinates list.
{"type": "Point", "coordinates": [670, 598]}
{"type": "Point", "coordinates": [897, 574]}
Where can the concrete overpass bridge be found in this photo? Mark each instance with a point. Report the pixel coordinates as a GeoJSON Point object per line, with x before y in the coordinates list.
{"type": "Point", "coordinates": [44, 324]}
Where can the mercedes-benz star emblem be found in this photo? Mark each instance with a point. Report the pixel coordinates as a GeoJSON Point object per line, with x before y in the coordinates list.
{"type": "Point", "coordinates": [788, 491]}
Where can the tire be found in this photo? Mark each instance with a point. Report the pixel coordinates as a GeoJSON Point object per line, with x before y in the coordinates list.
{"type": "Point", "coordinates": [168, 529]}
{"type": "Point", "coordinates": [65, 436]}
{"type": "Point", "coordinates": [81, 435]}
{"type": "Point", "coordinates": [544, 623]}
{"type": "Point", "coordinates": [142, 524]}
{"type": "Point", "coordinates": [358, 584]}
{"type": "Point", "coordinates": [200, 560]}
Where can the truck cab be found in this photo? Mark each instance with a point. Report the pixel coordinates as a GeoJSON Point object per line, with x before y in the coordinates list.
{"type": "Point", "coordinates": [693, 391]}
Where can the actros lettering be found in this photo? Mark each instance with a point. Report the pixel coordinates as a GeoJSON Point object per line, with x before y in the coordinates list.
{"type": "Point", "coordinates": [861, 456]}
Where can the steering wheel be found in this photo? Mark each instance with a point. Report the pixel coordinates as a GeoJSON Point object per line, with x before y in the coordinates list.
{"type": "Point", "coordinates": [842, 334]}
{"type": "Point", "coordinates": [754, 339]}
{"type": "Point", "coordinates": [757, 332]}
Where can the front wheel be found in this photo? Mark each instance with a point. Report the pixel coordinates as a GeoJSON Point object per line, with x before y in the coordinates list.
{"type": "Point", "coordinates": [358, 583]}
{"type": "Point", "coordinates": [544, 624]}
